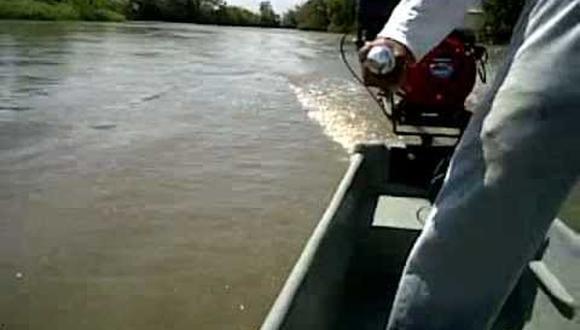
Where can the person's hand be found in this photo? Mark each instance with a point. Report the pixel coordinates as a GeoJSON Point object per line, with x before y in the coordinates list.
{"type": "Point", "coordinates": [394, 79]}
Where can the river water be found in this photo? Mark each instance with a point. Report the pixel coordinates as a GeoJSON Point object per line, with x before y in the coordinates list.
{"type": "Point", "coordinates": [164, 176]}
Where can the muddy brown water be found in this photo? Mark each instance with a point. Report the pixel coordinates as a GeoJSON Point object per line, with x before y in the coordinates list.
{"type": "Point", "coordinates": [164, 176]}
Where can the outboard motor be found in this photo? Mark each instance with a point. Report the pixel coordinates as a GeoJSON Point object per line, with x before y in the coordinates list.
{"type": "Point", "coordinates": [435, 88]}
{"type": "Point", "coordinates": [431, 102]}
{"type": "Point", "coordinates": [443, 79]}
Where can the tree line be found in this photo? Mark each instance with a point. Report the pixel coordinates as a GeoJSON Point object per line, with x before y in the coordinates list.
{"type": "Point", "coordinates": [321, 15]}
{"type": "Point", "coordinates": [192, 11]}
{"type": "Point", "coordinates": [326, 15]}
{"type": "Point", "coordinates": [90, 10]}
{"type": "Point", "coordinates": [203, 12]}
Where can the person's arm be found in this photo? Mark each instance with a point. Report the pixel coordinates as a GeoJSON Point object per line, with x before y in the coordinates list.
{"type": "Point", "coordinates": [420, 25]}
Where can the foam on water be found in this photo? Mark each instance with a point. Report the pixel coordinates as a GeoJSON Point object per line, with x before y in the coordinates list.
{"type": "Point", "coordinates": [346, 114]}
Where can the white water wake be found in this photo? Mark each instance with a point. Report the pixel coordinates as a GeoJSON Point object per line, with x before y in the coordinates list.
{"type": "Point", "coordinates": [346, 114]}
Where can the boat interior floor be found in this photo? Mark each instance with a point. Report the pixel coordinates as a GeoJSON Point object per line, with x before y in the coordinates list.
{"type": "Point", "coordinates": [378, 260]}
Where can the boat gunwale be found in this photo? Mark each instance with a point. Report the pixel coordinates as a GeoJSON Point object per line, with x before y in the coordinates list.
{"type": "Point", "coordinates": [283, 303]}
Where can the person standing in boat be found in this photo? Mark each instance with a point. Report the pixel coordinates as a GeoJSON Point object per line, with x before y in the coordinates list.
{"type": "Point", "coordinates": [511, 172]}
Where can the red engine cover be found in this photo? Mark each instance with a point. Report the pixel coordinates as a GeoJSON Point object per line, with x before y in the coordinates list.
{"type": "Point", "coordinates": [443, 78]}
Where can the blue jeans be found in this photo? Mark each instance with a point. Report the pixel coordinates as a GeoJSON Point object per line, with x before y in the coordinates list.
{"type": "Point", "coordinates": [510, 174]}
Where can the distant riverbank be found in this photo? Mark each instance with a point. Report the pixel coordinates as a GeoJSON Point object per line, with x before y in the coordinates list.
{"type": "Point", "coordinates": [58, 11]}
{"type": "Point", "coordinates": [494, 20]}
{"type": "Point", "coordinates": [319, 15]}
{"type": "Point", "coordinates": [215, 12]}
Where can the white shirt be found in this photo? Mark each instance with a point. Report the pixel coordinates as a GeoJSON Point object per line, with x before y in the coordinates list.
{"type": "Point", "coordinates": [423, 24]}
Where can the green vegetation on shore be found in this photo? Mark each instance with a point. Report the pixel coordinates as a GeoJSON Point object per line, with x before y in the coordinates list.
{"type": "Point", "coordinates": [193, 11]}
{"type": "Point", "coordinates": [89, 10]}
{"type": "Point", "coordinates": [321, 15]}
{"type": "Point", "coordinates": [325, 15]}
{"type": "Point", "coordinates": [202, 12]}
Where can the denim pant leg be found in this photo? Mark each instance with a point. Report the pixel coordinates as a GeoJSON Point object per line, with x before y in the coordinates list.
{"type": "Point", "coordinates": [519, 158]}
